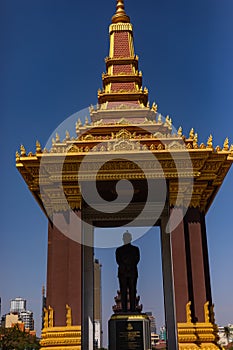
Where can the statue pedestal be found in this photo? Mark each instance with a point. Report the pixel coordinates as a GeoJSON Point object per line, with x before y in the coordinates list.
{"type": "Point", "coordinates": [129, 331]}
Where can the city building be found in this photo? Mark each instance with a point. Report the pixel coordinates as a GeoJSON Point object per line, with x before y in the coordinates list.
{"type": "Point", "coordinates": [154, 339]}
{"type": "Point", "coordinates": [97, 304]}
{"type": "Point", "coordinates": [10, 320]}
{"type": "Point", "coordinates": [18, 305]}
{"type": "Point", "coordinates": [27, 318]}
{"type": "Point", "coordinates": [18, 315]}
{"type": "Point", "coordinates": [152, 322]}
{"type": "Point", "coordinates": [154, 336]}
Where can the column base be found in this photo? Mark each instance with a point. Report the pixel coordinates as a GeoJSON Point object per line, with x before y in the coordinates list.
{"type": "Point", "coordinates": [199, 335]}
{"type": "Point", "coordinates": [61, 338]}
{"type": "Point", "coordinates": [129, 331]}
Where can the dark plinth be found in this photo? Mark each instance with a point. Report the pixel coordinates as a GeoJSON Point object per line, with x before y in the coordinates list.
{"type": "Point", "coordinates": [129, 331]}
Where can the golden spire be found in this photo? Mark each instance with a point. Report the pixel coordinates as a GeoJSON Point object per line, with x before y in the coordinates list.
{"type": "Point", "coordinates": [120, 15]}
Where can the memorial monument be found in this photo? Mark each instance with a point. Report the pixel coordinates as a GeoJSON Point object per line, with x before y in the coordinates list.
{"type": "Point", "coordinates": [129, 329]}
{"type": "Point", "coordinates": [126, 138]}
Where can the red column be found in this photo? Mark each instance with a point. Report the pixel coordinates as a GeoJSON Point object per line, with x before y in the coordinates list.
{"type": "Point", "coordinates": [64, 273]}
{"type": "Point", "coordinates": [179, 266]}
{"type": "Point", "coordinates": [197, 255]}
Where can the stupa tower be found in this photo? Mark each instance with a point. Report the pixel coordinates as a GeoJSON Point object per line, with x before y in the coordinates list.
{"type": "Point", "coordinates": [122, 82]}
{"type": "Point", "coordinates": [126, 131]}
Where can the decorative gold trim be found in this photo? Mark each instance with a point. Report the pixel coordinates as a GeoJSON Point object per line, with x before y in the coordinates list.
{"type": "Point", "coordinates": [68, 316]}
{"type": "Point", "coordinates": [199, 335]}
{"type": "Point", "coordinates": [120, 27]}
{"type": "Point", "coordinates": [60, 338]}
{"type": "Point", "coordinates": [188, 312]}
{"type": "Point", "coordinates": [51, 317]}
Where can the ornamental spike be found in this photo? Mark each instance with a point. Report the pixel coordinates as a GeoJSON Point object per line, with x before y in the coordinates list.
{"type": "Point", "coordinates": [159, 119]}
{"type": "Point", "coordinates": [57, 137]}
{"type": "Point", "coordinates": [226, 144]}
{"type": "Point", "coordinates": [195, 137]}
{"type": "Point", "coordinates": [191, 134]}
{"type": "Point", "coordinates": [180, 131]}
{"type": "Point", "coordinates": [38, 147]}
{"type": "Point", "coordinates": [210, 141]}
{"type": "Point", "coordinates": [22, 151]}
{"type": "Point", "coordinates": [154, 107]}
{"type": "Point", "coordinates": [67, 135]}
{"type": "Point", "coordinates": [195, 140]}
{"type": "Point", "coordinates": [17, 156]}
{"type": "Point", "coordinates": [120, 15]}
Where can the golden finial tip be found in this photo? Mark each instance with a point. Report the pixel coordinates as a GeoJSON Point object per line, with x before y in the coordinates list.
{"type": "Point", "coordinates": [120, 15]}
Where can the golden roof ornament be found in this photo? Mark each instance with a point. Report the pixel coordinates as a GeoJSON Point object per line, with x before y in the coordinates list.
{"type": "Point", "coordinates": [120, 15]}
{"type": "Point", "coordinates": [154, 107]}
{"type": "Point", "coordinates": [210, 142]}
{"type": "Point", "coordinates": [22, 151]}
{"type": "Point", "coordinates": [17, 156]}
{"type": "Point", "coordinates": [180, 131]}
{"type": "Point", "coordinates": [191, 134]}
{"type": "Point", "coordinates": [38, 147]}
{"type": "Point", "coordinates": [226, 145]}
{"type": "Point", "coordinates": [195, 140]}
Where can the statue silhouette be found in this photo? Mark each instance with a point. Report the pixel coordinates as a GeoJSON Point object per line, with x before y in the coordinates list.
{"type": "Point", "coordinates": [127, 257]}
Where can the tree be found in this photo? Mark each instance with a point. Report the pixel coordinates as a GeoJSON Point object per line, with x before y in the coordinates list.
{"type": "Point", "coordinates": [14, 339]}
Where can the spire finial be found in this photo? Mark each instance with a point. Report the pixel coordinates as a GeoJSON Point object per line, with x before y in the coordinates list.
{"type": "Point", "coordinates": [120, 15]}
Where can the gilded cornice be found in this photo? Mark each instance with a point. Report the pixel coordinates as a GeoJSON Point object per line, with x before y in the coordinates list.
{"type": "Point", "coordinates": [95, 142]}
{"type": "Point", "coordinates": [120, 27]}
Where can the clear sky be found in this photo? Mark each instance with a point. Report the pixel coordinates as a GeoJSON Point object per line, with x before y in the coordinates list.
{"type": "Point", "coordinates": [52, 58]}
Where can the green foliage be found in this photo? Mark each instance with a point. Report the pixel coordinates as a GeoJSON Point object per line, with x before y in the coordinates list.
{"type": "Point", "coordinates": [15, 339]}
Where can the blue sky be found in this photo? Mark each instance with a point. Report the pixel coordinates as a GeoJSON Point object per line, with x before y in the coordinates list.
{"type": "Point", "coordinates": [52, 58]}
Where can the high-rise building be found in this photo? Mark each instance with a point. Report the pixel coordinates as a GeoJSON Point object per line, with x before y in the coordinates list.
{"type": "Point", "coordinates": [152, 322]}
{"type": "Point", "coordinates": [153, 335]}
{"type": "Point", "coordinates": [27, 318]}
{"type": "Point", "coordinates": [97, 304]}
{"type": "Point", "coordinates": [18, 314]}
{"type": "Point", "coordinates": [17, 305]}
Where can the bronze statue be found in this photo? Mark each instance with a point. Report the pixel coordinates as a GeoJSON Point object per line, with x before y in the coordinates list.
{"type": "Point", "coordinates": [127, 257]}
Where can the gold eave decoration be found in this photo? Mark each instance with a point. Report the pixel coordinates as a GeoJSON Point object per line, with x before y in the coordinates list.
{"type": "Point", "coordinates": [209, 165]}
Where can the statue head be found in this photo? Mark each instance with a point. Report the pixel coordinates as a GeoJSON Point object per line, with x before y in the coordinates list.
{"type": "Point", "coordinates": [127, 237]}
